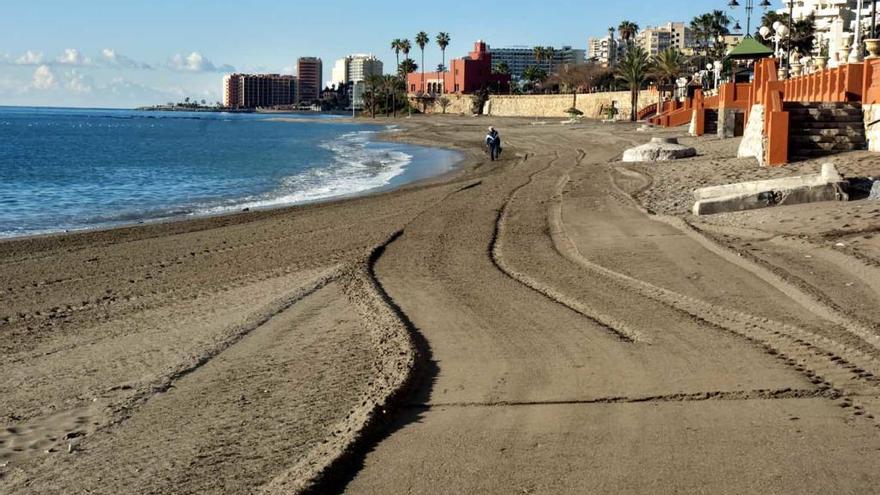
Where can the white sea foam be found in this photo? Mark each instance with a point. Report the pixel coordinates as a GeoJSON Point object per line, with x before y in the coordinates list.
{"type": "Point", "coordinates": [356, 167]}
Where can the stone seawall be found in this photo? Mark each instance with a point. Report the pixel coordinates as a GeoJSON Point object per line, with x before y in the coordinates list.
{"type": "Point", "coordinates": [548, 106]}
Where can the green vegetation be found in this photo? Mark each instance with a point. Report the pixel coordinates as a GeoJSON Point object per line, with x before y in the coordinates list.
{"type": "Point", "coordinates": [634, 70]}
{"type": "Point", "coordinates": [443, 41]}
{"type": "Point", "coordinates": [628, 30]}
{"type": "Point", "coordinates": [408, 66]}
{"type": "Point", "coordinates": [422, 40]}
{"type": "Point", "coordinates": [444, 102]}
{"type": "Point", "coordinates": [534, 76]}
{"type": "Point", "coordinates": [803, 31]}
{"type": "Point", "coordinates": [708, 28]}
{"type": "Point", "coordinates": [668, 66]}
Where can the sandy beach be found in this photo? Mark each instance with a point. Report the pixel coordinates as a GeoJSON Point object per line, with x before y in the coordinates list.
{"type": "Point", "coordinates": [553, 322]}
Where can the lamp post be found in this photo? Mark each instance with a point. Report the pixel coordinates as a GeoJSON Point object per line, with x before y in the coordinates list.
{"type": "Point", "coordinates": [750, 6]}
{"type": "Point", "coordinates": [872, 43]}
{"type": "Point", "coordinates": [855, 56]}
{"type": "Point", "coordinates": [788, 42]}
{"type": "Point", "coordinates": [779, 32]}
{"type": "Point", "coordinates": [874, 19]}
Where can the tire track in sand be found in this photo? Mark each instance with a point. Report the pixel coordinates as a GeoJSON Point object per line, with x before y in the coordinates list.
{"type": "Point", "coordinates": [615, 327]}
{"type": "Point", "coordinates": [839, 370]}
{"type": "Point", "coordinates": [404, 364]}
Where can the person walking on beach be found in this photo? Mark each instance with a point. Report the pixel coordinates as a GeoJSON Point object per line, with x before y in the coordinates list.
{"type": "Point", "coordinates": [493, 143]}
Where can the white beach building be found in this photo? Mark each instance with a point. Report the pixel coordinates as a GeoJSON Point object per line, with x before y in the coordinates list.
{"type": "Point", "coordinates": [835, 21]}
{"type": "Point", "coordinates": [356, 69]}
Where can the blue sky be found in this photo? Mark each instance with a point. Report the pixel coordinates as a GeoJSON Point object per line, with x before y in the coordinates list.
{"type": "Point", "coordinates": [123, 53]}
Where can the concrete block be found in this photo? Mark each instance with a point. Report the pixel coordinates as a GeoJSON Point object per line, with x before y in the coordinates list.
{"type": "Point", "coordinates": [828, 185]}
{"type": "Point", "coordinates": [726, 123]}
{"type": "Point", "coordinates": [658, 150]}
{"type": "Point", "coordinates": [872, 126]}
{"type": "Point", "coordinates": [874, 195]}
{"type": "Point", "coordinates": [752, 144]}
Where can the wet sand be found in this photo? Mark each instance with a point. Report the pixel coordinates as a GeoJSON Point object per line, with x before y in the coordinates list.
{"type": "Point", "coordinates": [531, 325]}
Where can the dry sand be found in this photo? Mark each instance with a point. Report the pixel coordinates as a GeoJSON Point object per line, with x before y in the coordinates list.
{"type": "Point", "coordinates": [524, 326]}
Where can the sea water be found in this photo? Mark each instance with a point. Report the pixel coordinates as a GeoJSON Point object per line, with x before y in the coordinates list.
{"type": "Point", "coordinates": [73, 169]}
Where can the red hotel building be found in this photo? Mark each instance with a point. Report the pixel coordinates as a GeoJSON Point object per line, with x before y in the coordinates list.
{"type": "Point", "coordinates": [465, 75]}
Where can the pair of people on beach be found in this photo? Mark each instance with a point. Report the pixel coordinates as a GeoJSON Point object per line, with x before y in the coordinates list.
{"type": "Point", "coordinates": [493, 143]}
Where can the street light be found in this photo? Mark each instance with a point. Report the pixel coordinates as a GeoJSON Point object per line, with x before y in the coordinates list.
{"type": "Point", "coordinates": [856, 55]}
{"type": "Point", "coordinates": [788, 42]}
{"type": "Point", "coordinates": [779, 31]}
{"type": "Point", "coordinates": [874, 19]}
{"type": "Point", "coordinates": [750, 6]}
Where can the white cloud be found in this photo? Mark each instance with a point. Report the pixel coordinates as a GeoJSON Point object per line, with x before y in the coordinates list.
{"type": "Point", "coordinates": [72, 56]}
{"type": "Point", "coordinates": [30, 58]}
{"type": "Point", "coordinates": [196, 62]}
{"type": "Point", "coordinates": [78, 82]}
{"type": "Point", "coordinates": [110, 57]}
{"type": "Point", "coordinates": [44, 78]}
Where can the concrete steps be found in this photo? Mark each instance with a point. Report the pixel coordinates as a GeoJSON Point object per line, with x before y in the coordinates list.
{"type": "Point", "coordinates": [822, 129]}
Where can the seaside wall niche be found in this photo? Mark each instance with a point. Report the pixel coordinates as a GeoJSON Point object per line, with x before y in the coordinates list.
{"type": "Point", "coordinates": [549, 106]}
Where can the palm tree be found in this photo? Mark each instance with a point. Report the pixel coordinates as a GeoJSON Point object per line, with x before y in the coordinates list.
{"type": "Point", "coordinates": [408, 66]}
{"type": "Point", "coordinates": [374, 82]}
{"type": "Point", "coordinates": [502, 68]}
{"type": "Point", "coordinates": [708, 27]}
{"type": "Point", "coordinates": [669, 65]}
{"type": "Point", "coordinates": [549, 54]}
{"type": "Point", "coordinates": [397, 46]}
{"type": "Point", "coordinates": [390, 84]}
{"type": "Point", "coordinates": [539, 53]}
{"type": "Point", "coordinates": [628, 30]}
{"type": "Point", "coordinates": [543, 54]}
{"type": "Point", "coordinates": [534, 74]}
{"type": "Point", "coordinates": [443, 41]}
{"type": "Point", "coordinates": [422, 40]}
{"type": "Point", "coordinates": [633, 70]}
{"type": "Point", "coordinates": [405, 47]}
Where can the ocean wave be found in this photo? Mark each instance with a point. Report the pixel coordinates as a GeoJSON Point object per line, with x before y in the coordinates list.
{"type": "Point", "coordinates": [358, 165]}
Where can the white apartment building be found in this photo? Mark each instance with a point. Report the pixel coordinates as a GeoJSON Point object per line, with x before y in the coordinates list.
{"type": "Point", "coordinates": [835, 20]}
{"type": "Point", "coordinates": [355, 69]}
{"type": "Point", "coordinates": [673, 34]}
{"type": "Point", "coordinates": [605, 50]}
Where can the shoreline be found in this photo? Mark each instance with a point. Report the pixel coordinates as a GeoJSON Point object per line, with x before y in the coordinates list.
{"type": "Point", "coordinates": [382, 134]}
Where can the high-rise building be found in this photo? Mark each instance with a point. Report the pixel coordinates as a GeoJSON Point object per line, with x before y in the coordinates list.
{"type": "Point", "coordinates": [519, 58]}
{"type": "Point", "coordinates": [671, 35]}
{"type": "Point", "coordinates": [309, 72]}
{"type": "Point", "coordinates": [354, 70]}
{"type": "Point", "coordinates": [606, 50]}
{"type": "Point", "coordinates": [258, 90]}
{"type": "Point", "coordinates": [231, 90]}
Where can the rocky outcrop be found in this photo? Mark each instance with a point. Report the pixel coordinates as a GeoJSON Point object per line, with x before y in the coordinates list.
{"type": "Point", "coordinates": [658, 150]}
